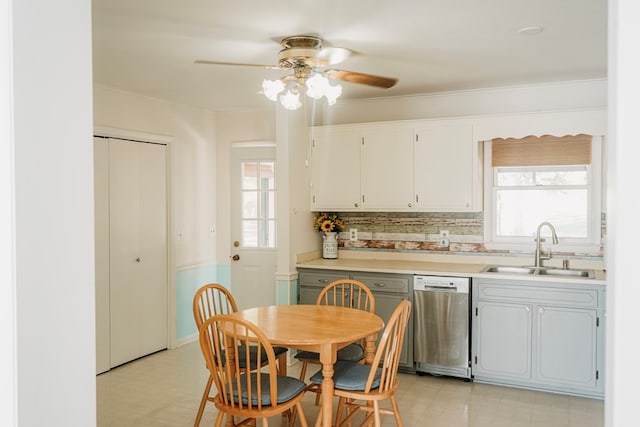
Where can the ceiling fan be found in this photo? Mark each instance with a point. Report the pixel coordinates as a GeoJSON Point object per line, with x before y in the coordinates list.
{"type": "Point", "coordinates": [308, 59]}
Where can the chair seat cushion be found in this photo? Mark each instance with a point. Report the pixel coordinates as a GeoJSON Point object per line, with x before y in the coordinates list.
{"type": "Point", "coordinates": [288, 388]}
{"type": "Point", "coordinates": [241, 354]}
{"type": "Point", "coordinates": [350, 376]}
{"type": "Point", "coordinates": [353, 353]}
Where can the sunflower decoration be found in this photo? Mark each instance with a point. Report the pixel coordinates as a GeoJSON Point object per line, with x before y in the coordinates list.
{"type": "Point", "coordinates": [327, 222]}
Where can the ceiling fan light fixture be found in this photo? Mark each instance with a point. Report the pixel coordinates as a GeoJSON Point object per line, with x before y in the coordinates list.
{"type": "Point", "coordinates": [332, 93]}
{"type": "Point", "coordinates": [317, 86]}
{"type": "Point", "coordinates": [272, 88]}
{"type": "Point", "coordinates": [291, 100]}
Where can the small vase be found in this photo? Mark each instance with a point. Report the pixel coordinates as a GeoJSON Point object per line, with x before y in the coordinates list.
{"type": "Point", "coordinates": [330, 245]}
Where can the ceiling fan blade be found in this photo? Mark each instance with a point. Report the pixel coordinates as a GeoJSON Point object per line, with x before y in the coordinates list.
{"type": "Point", "coordinates": [361, 78]}
{"type": "Point", "coordinates": [266, 67]}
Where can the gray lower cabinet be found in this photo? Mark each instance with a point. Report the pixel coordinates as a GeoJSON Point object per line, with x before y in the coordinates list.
{"type": "Point", "coordinates": [543, 335]}
{"type": "Point", "coordinates": [388, 290]}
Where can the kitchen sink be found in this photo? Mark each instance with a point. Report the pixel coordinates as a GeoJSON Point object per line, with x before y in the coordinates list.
{"type": "Point", "coordinates": [509, 270]}
{"type": "Point", "coordinates": [567, 273]}
{"type": "Point", "coordinates": [540, 271]}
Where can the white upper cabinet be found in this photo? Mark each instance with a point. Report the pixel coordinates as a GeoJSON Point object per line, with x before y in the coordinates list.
{"type": "Point", "coordinates": [335, 168]}
{"type": "Point", "coordinates": [387, 168]}
{"type": "Point", "coordinates": [429, 166]}
{"type": "Point", "coordinates": [448, 168]}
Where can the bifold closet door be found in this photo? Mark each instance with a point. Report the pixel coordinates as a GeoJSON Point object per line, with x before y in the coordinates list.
{"type": "Point", "coordinates": [137, 249]}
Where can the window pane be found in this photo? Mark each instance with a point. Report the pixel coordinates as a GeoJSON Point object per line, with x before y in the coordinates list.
{"type": "Point", "coordinates": [270, 241]}
{"type": "Point", "coordinates": [271, 205]}
{"type": "Point", "coordinates": [249, 204]}
{"type": "Point", "coordinates": [523, 177]}
{"type": "Point", "coordinates": [509, 179]}
{"type": "Point", "coordinates": [519, 212]}
{"type": "Point", "coordinates": [249, 176]}
{"type": "Point", "coordinates": [267, 175]}
{"type": "Point", "coordinates": [562, 178]}
{"type": "Point", "coordinates": [249, 234]}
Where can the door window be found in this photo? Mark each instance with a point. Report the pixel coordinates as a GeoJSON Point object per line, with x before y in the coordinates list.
{"type": "Point", "coordinates": [258, 191]}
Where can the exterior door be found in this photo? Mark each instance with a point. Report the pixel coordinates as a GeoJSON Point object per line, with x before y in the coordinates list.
{"type": "Point", "coordinates": [253, 226]}
{"type": "Point", "coordinates": [137, 249]}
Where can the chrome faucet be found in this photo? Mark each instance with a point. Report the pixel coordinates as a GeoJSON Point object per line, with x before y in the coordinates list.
{"type": "Point", "coordinates": [540, 255]}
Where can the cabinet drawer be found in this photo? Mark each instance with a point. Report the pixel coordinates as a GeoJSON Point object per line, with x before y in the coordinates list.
{"type": "Point", "coordinates": [320, 279]}
{"type": "Point", "coordinates": [390, 284]}
{"type": "Point", "coordinates": [544, 295]}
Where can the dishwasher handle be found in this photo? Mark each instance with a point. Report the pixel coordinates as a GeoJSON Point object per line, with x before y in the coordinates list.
{"type": "Point", "coordinates": [436, 288]}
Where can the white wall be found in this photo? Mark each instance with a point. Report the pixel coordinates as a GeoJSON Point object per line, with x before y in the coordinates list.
{"type": "Point", "coordinates": [623, 292]}
{"type": "Point", "coordinates": [8, 392]}
{"type": "Point", "coordinates": [54, 265]}
{"type": "Point", "coordinates": [295, 211]}
{"type": "Point", "coordinates": [586, 94]}
{"type": "Point", "coordinates": [192, 153]}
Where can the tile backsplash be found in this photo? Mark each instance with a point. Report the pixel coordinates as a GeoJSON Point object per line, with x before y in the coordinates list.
{"type": "Point", "coordinates": [410, 231]}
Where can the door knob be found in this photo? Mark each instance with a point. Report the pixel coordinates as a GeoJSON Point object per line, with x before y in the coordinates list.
{"type": "Point", "coordinates": [236, 257]}
{"type": "Point", "coordinates": [138, 259]}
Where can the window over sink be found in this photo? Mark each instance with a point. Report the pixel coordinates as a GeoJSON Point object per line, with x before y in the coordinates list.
{"type": "Point", "coordinates": [536, 179]}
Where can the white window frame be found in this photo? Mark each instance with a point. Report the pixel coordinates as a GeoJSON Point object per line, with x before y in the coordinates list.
{"type": "Point", "coordinates": [590, 245]}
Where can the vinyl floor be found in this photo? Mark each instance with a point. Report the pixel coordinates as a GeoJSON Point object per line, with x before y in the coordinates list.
{"type": "Point", "coordinates": [164, 389]}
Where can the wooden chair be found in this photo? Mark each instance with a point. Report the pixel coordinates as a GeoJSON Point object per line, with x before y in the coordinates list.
{"type": "Point", "coordinates": [371, 383]}
{"type": "Point", "coordinates": [214, 299]}
{"type": "Point", "coordinates": [344, 293]}
{"type": "Point", "coordinates": [250, 392]}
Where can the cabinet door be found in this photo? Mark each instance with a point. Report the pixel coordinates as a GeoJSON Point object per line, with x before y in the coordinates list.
{"type": "Point", "coordinates": [308, 295]}
{"type": "Point", "coordinates": [502, 340]}
{"type": "Point", "coordinates": [447, 170]}
{"type": "Point", "coordinates": [385, 305]}
{"type": "Point", "coordinates": [335, 168]}
{"type": "Point", "coordinates": [566, 346]}
{"type": "Point", "coordinates": [387, 168]}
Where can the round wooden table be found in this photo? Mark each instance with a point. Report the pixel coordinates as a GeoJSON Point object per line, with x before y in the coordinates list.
{"type": "Point", "coordinates": [319, 328]}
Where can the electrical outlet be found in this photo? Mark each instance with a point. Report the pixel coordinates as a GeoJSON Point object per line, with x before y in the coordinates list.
{"type": "Point", "coordinates": [444, 238]}
{"type": "Point", "coordinates": [353, 234]}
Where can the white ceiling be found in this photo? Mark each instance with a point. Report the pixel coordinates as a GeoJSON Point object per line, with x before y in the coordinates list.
{"type": "Point", "coordinates": [148, 46]}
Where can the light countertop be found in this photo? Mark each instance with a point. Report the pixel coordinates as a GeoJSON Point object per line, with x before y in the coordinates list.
{"type": "Point", "coordinates": [395, 266]}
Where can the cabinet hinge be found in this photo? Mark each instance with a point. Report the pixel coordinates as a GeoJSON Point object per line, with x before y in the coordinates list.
{"type": "Point", "coordinates": [476, 311]}
{"type": "Point", "coordinates": [363, 198]}
{"type": "Point", "coordinates": [475, 360]}
{"type": "Point", "coordinates": [313, 143]}
{"type": "Point", "coordinates": [363, 140]}
{"type": "Point", "coordinates": [417, 198]}
{"type": "Point", "coordinates": [597, 374]}
{"type": "Point", "coordinates": [314, 198]}
{"type": "Point", "coordinates": [597, 322]}
{"type": "Point", "coordinates": [417, 139]}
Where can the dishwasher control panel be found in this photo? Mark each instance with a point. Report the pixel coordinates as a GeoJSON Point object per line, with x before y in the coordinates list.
{"type": "Point", "coordinates": [430, 283]}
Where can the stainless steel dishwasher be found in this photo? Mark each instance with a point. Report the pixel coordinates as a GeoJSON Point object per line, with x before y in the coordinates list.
{"type": "Point", "coordinates": [441, 325]}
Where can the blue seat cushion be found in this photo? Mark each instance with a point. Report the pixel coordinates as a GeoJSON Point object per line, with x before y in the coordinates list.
{"type": "Point", "coordinates": [288, 388]}
{"type": "Point", "coordinates": [353, 353]}
{"type": "Point", "coordinates": [350, 376]}
{"type": "Point", "coordinates": [253, 355]}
